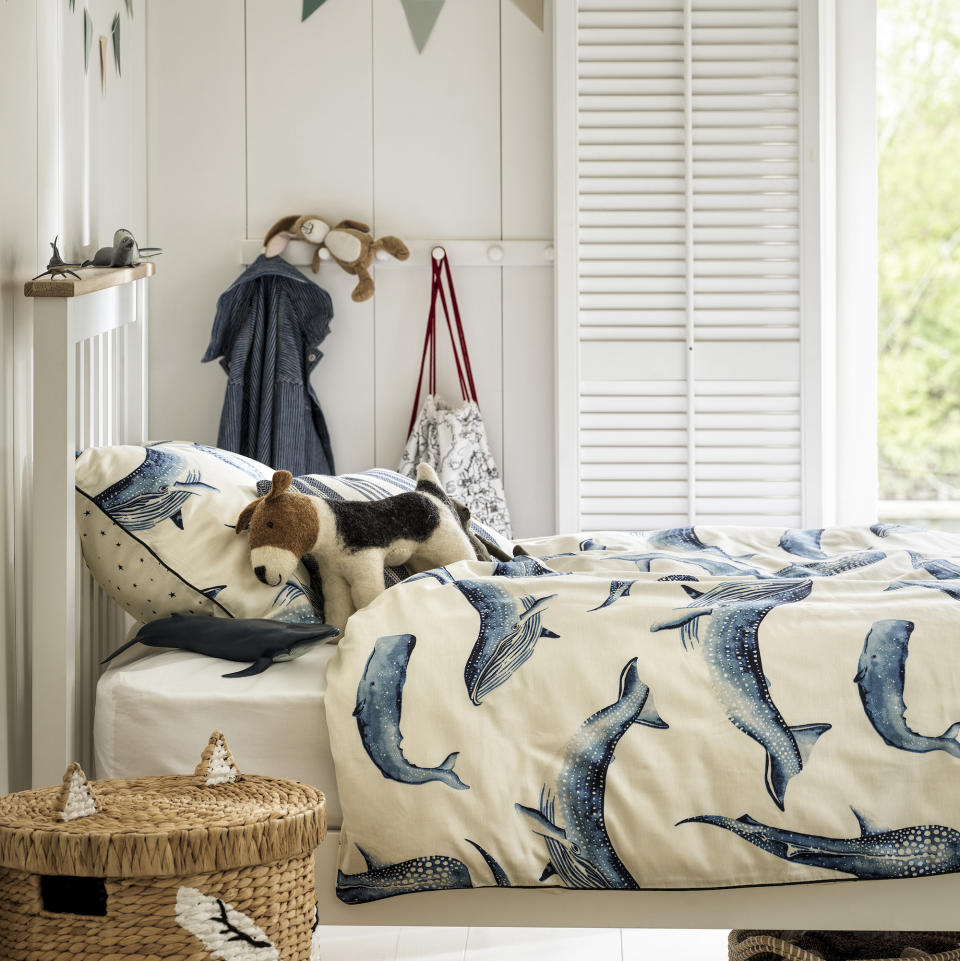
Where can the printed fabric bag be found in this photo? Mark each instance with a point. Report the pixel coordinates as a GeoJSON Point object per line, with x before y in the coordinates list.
{"type": "Point", "coordinates": [453, 440]}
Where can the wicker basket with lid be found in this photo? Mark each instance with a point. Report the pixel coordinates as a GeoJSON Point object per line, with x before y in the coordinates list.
{"type": "Point", "coordinates": [192, 867]}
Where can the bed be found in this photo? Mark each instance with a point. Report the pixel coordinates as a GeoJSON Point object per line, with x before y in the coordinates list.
{"type": "Point", "coordinates": [291, 698]}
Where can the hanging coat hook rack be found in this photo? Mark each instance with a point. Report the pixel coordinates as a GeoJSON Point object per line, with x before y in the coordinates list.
{"type": "Point", "coordinates": [461, 253]}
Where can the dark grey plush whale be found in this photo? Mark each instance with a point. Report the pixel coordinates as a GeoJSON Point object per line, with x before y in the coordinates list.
{"type": "Point", "coordinates": [257, 640]}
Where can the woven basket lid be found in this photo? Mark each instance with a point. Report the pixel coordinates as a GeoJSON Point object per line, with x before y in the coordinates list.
{"type": "Point", "coordinates": [160, 826]}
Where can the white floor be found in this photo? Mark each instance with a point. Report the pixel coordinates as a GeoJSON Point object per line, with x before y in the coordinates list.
{"type": "Point", "coordinates": [521, 944]}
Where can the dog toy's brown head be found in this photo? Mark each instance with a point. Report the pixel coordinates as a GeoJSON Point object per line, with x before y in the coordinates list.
{"type": "Point", "coordinates": [283, 527]}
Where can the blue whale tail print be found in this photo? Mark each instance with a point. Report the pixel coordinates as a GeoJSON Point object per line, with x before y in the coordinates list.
{"type": "Point", "coordinates": [803, 543]}
{"type": "Point", "coordinates": [499, 875]}
{"type": "Point", "coordinates": [777, 776]}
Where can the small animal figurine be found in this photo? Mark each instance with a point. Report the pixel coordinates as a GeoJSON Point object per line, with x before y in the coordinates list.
{"type": "Point", "coordinates": [262, 642]}
{"type": "Point", "coordinates": [349, 243]}
{"type": "Point", "coordinates": [124, 253]}
{"type": "Point", "coordinates": [352, 541]}
{"type": "Point", "coordinates": [56, 267]}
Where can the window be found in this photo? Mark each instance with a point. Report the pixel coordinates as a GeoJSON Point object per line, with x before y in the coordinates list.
{"type": "Point", "coordinates": [918, 111]}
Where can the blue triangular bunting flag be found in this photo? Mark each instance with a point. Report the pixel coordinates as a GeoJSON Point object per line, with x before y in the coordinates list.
{"type": "Point", "coordinates": [422, 17]}
{"type": "Point", "coordinates": [310, 7]}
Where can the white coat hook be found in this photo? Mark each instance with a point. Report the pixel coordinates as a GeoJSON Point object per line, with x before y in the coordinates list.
{"type": "Point", "coordinates": [495, 253]}
{"type": "Point", "coordinates": [438, 253]}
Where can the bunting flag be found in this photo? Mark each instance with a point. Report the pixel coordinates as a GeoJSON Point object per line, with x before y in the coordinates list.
{"type": "Point", "coordinates": [422, 17]}
{"type": "Point", "coordinates": [310, 7]}
{"type": "Point", "coordinates": [533, 9]}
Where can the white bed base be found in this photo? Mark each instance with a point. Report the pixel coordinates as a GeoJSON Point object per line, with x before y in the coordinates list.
{"type": "Point", "coordinates": [90, 388]}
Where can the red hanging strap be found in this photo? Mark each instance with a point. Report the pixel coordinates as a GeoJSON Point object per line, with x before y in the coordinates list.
{"type": "Point", "coordinates": [461, 357]}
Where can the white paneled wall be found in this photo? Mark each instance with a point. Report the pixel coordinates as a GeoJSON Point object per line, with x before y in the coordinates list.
{"type": "Point", "coordinates": [253, 114]}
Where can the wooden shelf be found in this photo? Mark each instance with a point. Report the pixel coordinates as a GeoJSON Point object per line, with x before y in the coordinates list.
{"type": "Point", "coordinates": [94, 278]}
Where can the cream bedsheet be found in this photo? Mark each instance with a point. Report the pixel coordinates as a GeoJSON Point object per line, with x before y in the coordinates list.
{"type": "Point", "coordinates": [154, 715]}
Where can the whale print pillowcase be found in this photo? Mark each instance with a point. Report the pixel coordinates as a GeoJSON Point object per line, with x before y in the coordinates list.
{"type": "Point", "coordinates": [156, 527]}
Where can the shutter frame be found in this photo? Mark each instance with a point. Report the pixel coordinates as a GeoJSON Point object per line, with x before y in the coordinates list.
{"type": "Point", "coordinates": [716, 191]}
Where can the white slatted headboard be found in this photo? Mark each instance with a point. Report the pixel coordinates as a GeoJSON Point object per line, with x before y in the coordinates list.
{"type": "Point", "coordinates": [90, 389]}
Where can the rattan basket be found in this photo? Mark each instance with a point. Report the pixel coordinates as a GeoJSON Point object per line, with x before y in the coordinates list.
{"type": "Point", "coordinates": [747, 945]}
{"type": "Point", "coordinates": [193, 868]}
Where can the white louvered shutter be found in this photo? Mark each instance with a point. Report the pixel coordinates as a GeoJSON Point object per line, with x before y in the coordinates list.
{"type": "Point", "coordinates": [688, 262]}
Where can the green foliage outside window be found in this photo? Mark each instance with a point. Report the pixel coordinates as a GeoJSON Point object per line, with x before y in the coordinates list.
{"type": "Point", "coordinates": [918, 74]}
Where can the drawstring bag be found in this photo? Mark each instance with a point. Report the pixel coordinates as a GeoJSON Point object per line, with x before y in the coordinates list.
{"type": "Point", "coordinates": [453, 440]}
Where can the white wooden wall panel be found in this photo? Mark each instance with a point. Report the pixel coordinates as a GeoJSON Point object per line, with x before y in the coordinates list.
{"type": "Point", "coordinates": [195, 136]}
{"type": "Point", "coordinates": [315, 155]}
{"type": "Point", "coordinates": [340, 115]}
{"type": "Point", "coordinates": [688, 236]}
{"type": "Point", "coordinates": [19, 255]}
{"type": "Point", "coordinates": [529, 455]}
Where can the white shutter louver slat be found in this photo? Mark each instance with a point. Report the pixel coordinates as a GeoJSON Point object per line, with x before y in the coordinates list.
{"type": "Point", "coordinates": [688, 237]}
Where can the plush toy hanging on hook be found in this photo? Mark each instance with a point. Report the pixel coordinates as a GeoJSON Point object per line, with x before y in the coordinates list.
{"type": "Point", "coordinates": [349, 243]}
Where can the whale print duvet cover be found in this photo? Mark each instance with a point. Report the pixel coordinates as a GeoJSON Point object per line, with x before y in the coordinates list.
{"type": "Point", "coordinates": [684, 708]}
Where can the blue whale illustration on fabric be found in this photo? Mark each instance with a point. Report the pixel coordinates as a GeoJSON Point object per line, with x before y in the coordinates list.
{"type": "Point", "coordinates": [880, 679]}
{"type": "Point", "coordinates": [938, 567]}
{"type": "Point", "coordinates": [510, 628]}
{"type": "Point", "coordinates": [379, 703]}
{"type": "Point", "coordinates": [432, 872]}
{"type": "Point", "coordinates": [804, 543]}
{"type": "Point", "coordinates": [570, 819]}
{"type": "Point", "coordinates": [724, 623]}
{"type": "Point", "coordinates": [156, 491]}
{"type": "Point", "coordinates": [618, 589]}
{"type": "Point", "coordinates": [884, 530]}
{"type": "Point", "coordinates": [591, 545]}
{"type": "Point", "coordinates": [951, 590]}
{"type": "Point", "coordinates": [234, 460]}
{"type": "Point", "coordinates": [523, 565]}
{"type": "Point", "coordinates": [878, 852]}
{"type": "Point", "coordinates": [499, 875]}
{"type": "Point", "coordinates": [708, 565]}
{"type": "Point", "coordinates": [685, 539]}
{"type": "Point", "coordinates": [832, 566]}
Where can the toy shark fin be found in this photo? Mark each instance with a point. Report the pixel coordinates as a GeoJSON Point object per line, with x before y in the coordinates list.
{"type": "Point", "coordinates": [649, 716]}
{"type": "Point", "coordinates": [257, 667]}
{"type": "Point", "coordinates": [867, 826]}
{"type": "Point", "coordinates": [546, 826]}
{"type": "Point", "coordinates": [121, 649]}
{"type": "Point", "coordinates": [372, 863]}
{"type": "Point", "coordinates": [686, 616]}
{"type": "Point", "coordinates": [548, 872]}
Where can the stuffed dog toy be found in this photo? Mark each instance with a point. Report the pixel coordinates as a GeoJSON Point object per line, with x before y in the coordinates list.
{"type": "Point", "coordinates": [349, 243]}
{"type": "Point", "coordinates": [352, 541]}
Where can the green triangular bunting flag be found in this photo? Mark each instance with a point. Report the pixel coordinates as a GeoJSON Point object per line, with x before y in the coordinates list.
{"type": "Point", "coordinates": [422, 17]}
{"type": "Point", "coordinates": [533, 9]}
{"type": "Point", "coordinates": [310, 7]}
